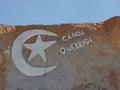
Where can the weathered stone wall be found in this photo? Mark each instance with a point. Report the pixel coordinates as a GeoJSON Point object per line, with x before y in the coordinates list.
{"type": "Point", "coordinates": [86, 55]}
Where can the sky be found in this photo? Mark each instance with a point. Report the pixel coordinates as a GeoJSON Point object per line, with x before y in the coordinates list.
{"type": "Point", "coordinates": [25, 12]}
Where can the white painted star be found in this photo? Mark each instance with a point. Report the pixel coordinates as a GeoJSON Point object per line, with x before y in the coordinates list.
{"type": "Point", "coordinates": [38, 48]}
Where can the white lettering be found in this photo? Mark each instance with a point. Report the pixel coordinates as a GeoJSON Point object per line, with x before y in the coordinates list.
{"type": "Point", "coordinates": [76, 45]}
{"type": "Point", "coordinates": [64, 38]}
{"type": "Point", "coordinates": [62, 50]}
{"type": "Point", "coordinates": [69, 37]}
{"type": "Point", "coordinates": [73, 35]}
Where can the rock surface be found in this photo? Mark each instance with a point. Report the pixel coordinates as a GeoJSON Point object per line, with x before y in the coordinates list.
{"type": "Point", "coordinates": [87, 56]}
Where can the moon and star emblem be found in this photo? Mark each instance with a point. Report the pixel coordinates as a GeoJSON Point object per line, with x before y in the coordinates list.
{"type": "Point", "coordinates": [38, 47]}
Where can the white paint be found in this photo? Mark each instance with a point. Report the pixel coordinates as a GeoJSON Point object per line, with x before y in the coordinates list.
{"type": "Point", "coordinates": [17, 54]}
{"type": "Point", "coordinates": [38, 48]}
{"type": "Point", "coordinates": [62, 50]}
{"type": "Point", "coordinates": [76, 45]}
{"type": "Point", "coordinates": [64, 38]}
{"type": "Point", "coordinates": [73, 35]}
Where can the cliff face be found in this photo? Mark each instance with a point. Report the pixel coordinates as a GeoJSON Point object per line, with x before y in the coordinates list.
{"type": "Point", "coordinates": [86, 56]}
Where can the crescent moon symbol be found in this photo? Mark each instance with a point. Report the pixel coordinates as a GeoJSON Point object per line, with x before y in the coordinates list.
{"type": "Point", "coordinates": [18, 58]}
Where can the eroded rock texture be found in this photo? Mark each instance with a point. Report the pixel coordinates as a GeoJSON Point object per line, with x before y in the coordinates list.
{"type": "Point", "coordinates": [87, 56]}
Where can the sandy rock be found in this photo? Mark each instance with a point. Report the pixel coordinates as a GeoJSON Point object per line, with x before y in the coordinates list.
{"type": "Point", "coordinates": [82, 56]}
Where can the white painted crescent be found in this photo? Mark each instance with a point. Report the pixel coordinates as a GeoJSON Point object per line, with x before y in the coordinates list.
{"type": "Point", "coordinates": [18, 58]}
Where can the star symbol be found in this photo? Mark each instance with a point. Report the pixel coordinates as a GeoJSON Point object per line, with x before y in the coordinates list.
{"type": "Point", "coordinates": [38, 48]}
